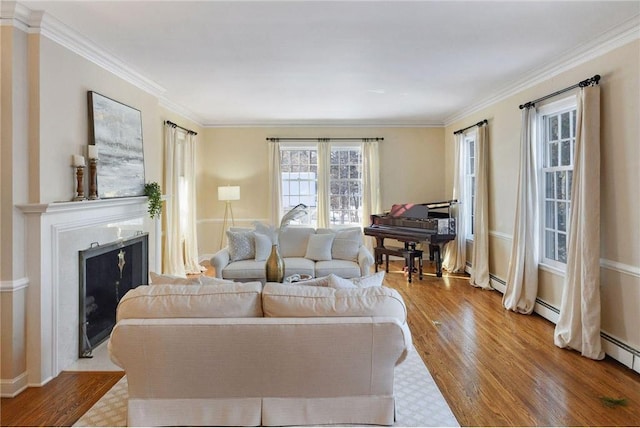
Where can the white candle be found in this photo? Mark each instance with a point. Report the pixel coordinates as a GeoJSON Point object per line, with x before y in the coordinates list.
{"type": "Point", "coordinates": [92, 152]}
{"type": "Point", "coordinates": [78, 160]}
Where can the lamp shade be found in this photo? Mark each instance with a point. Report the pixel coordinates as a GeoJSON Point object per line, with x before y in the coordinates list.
{"type": "Point", "coordinates": [229, 193]}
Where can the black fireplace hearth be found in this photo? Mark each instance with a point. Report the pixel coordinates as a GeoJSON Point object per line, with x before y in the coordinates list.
{"type": "Point", "coordinates": [107, 272]}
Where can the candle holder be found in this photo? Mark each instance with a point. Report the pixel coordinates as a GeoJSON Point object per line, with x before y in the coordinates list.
{"type": "Point", "coordinates": [80, 186]}
{"type": "Point", "coordinates": [93, 183]}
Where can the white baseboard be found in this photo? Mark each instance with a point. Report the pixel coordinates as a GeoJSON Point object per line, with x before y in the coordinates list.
{"type": "Point", "coordinates": [9, 388]}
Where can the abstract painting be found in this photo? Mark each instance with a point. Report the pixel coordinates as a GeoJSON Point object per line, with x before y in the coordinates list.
{"type": "Point", "coordinates": [116, 131]}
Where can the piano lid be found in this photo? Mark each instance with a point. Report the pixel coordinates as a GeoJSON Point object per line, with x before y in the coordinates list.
{"type": "Point", "coordinates": [418, 211]}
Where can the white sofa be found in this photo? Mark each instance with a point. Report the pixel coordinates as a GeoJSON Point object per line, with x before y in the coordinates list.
{"type": "Point", "coordinates": [305, 250]}
{"type": "Point", "coordinates": [239, 355]}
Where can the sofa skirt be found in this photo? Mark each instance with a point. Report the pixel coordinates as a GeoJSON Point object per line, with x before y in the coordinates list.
{"type": "Point", "coordinates": [371, 410]}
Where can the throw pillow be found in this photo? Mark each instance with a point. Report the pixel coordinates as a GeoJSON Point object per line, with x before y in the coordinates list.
{"type": "Point", "coordinates": [319, 247]}
{"type": "Point", "coordinates": [336, 281]}
{"type": "Point", "coordinates": [157, 278]}
{"type": "Point", "coordinates": [263, 246]}
{"type": "Point", "coordinates": [346, 245]}
{"type": "Point", "coordinates": [374, 280]}
{"type": "Point", "coordinates": [241, 245]}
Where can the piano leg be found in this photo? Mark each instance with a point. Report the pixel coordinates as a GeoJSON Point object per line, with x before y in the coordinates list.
{"type": "Point", "coordinates": [438, 259]}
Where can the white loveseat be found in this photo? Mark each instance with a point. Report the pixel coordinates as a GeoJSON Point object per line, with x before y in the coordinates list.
{"type": "Point", "coordinates": [305, 250]}
{"type": "Point", "coordinates": [238, 354]}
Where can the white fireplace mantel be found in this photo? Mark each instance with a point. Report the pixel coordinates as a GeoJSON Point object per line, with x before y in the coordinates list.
{"type": "Point", "coordinates": [54, 233]}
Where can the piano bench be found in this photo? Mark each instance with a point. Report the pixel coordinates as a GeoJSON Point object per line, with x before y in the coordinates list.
{"type": "Point", "coordinates": [408, 254]}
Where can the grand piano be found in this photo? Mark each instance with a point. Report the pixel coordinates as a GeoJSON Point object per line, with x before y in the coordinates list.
{"type": "Point", "coordinates": [412, 224]}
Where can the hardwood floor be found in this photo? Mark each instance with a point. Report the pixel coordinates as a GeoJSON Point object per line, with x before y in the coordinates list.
{"type": "Point", "coordinates": [60, 402]}
{"type": "Point", "coordinates": [498, 368]}
{"type": "Point", "coordinates": [494, 367]}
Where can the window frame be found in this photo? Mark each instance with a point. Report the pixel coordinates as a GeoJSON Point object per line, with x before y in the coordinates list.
{"type": "Point", "coordinates": [556, 108]}
{"type": "Point", "coordinates": [469, 181]}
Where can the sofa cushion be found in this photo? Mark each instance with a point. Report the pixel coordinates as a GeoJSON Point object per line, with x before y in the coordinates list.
{"type": "Point", "coordinates": [319, 247]}
{"type": "Point", "coordinates": [286, 300]}
{"type": "Point", "coordinates": [241, 245]}
{"type": "Point", "coordinates": [233, 300]}
{"type": "Point", "coordinates": [299, 265]}
{"type": "Point", "coordinates": [343, 268]}
{"type": "Point", "coordinates": [293, 241]}
{"type": "Point", "coordinates": [245, 269]}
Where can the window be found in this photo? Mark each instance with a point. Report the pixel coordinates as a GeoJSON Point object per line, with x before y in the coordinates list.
{"type": "Point", "coordinates": [345, 186]}
{"type": "Point", "coordinates": [299, 169]}
{"type": "Point", "coordinates": [469, 181]}
{"type": "Point", "coordinates": [557, 129]}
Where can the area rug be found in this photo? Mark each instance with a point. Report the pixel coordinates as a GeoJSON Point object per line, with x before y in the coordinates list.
{"type": "Point", "coordinates": [419, 402]}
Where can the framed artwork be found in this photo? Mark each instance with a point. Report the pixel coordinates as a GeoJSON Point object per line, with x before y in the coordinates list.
{"type": "Point", "coordinates": [116, 131]}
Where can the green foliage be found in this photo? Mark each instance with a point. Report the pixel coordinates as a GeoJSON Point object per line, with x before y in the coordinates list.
{"type": "Point", "coordinates": [613, 402]}
{"type": "Point", "coordinates": [153, 192]}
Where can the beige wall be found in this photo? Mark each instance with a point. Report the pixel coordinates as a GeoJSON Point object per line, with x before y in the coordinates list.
{"type": "Point", "coordinates": [620, 178]}
{"type": "Point", "coordinates": [411, 170]}
{"type": "Point", "coordinates": [44, 121]}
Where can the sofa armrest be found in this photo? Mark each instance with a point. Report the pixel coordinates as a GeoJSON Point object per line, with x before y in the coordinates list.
{"type": "Point", "coordinates": [365, 260]}
{"type": "Point", "coordinates": [220, 260]}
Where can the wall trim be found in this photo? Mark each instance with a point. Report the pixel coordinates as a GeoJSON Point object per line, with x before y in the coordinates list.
{"type": "Point", "coordinates": [14, 285]}
{"type": "Point", "coordinates": [501, 235]}
{"type": "Point", "coordinates": [9, 388]}
{"type": "Point", "coordinates": [620, 267]}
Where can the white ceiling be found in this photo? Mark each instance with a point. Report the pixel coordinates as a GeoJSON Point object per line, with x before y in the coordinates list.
{"type": "Point", "coordinates": [340, 62]}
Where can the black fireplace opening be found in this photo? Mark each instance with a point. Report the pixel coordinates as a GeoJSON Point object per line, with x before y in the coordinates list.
{"type": "Point", "coordinates": [107, 272]}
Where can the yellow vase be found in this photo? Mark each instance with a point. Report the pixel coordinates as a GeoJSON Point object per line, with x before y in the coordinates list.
{"type": "Point", "coordinates": [275, 266]}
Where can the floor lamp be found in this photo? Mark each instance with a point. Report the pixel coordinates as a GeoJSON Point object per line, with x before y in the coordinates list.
{"type": "Point", "coordinates": [227, 194]}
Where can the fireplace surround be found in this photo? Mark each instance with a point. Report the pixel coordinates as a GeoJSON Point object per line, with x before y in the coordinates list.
{"type": "Point", "coordinates": [55, 233]}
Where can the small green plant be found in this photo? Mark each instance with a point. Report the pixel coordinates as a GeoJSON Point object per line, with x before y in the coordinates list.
{"type": "Point", "coordinates": [153, 192]}
{"type": "Point", "coordinates": [613, 402]}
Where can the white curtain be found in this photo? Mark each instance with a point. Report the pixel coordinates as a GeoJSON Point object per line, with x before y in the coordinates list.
{"type": "Point", "coordinates": [324, 162]}
{"type": "Point", "coordinates": [173, 262]}
{"type": "Point", "coordinates": [455, 252]}
{"type": "Point", "coordinates": [522, 277]}
{"type": "Point", "coordinates": [480, 252]}
{"type": "Point", "coordinates": [579, 324]}
{"type": "Point", "coordinates": [275, 184]}
{"type": "Point", "coordinates": [189, 231]}
{"type": "Point", "coordinates": [371, 203]}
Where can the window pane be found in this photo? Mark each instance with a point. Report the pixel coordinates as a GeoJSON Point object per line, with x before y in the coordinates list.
{"type": "Point", "coordinates": [354, 172]}
{"type": "Point", "coordinates": [335, 172]}
{"type": "Point", "coordinates": [562, 248]}
{"type": "Point", "coordinates": [562, 216]}
{"type": "Point", "coordinates": [553, 161]}
{"type": "Point", "coordinates": [553, 128]}
{"type": "Point", "coordinates": [569, 183]}
{"type": "Point", "coordinates": [550, 245]}
{"type": "Point", "coordinates": [565, 125]}
{"type": "Point", "coordinates": [550, 215]}
{"type": "Point", "coordinates": [573, 123]}
{"type": "Point", "coordinates": [565, 152]}
{"type": "Point", "coordinates": [561, 190]}
{"type": "Point", "coordinates": [549, 184]}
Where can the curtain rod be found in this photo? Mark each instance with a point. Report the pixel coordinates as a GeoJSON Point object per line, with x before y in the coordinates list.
{"type": "Point", "coordinates": [325, 140]}
{"type": "Point", "coordinates": [482, 122]}
{"type": "Point", "coordinates": [590, 81]}
{"type": "Point", "coordinates": [175, 125]}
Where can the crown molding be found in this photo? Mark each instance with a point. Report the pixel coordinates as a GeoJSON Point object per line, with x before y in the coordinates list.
{"type": "Point", "coordinates": [338, 123]}
{"type": "Point", "coordinates": [166, 103]}
{"type": "Point", "coordinates": [616, 37]}
{"type": "Point", "coordinates": [39, 22]}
